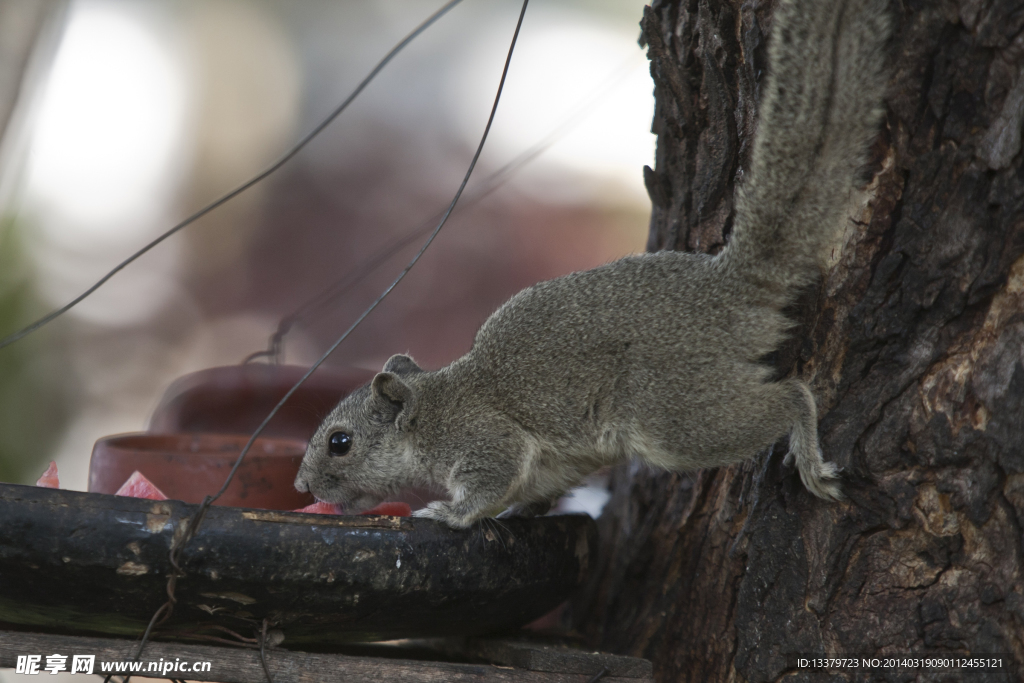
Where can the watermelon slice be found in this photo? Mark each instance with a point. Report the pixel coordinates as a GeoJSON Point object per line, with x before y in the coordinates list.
{"type": "Point", "coordinates": [390, 509]}
{"type": "Point", "coordinates": [138, 486]}
{"type": "Point", "coordinates": [49, 479]}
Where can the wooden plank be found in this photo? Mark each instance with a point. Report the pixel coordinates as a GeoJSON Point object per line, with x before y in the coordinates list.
{"type": "Point", "coordinates": [525, 654]}
{"type": "Point", "coordinates": [239, 665]}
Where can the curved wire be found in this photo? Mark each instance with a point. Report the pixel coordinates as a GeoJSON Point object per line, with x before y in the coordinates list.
{"type": "Point", "coordinates": [401, 276]}
{"type": "Point", "coordinates": [25, 331]}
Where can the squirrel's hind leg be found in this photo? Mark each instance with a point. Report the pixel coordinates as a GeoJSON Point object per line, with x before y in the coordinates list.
{"type": "Point", "coordinates": [819, 477]}
{"type": "Point", "coordinates": [767, 412]}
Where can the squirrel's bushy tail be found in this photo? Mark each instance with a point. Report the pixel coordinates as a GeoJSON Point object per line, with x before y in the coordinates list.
{"type": "Point", "coordinates": [819, 112]}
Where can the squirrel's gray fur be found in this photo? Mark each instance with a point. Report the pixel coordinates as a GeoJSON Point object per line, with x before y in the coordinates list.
{"type": "Point", "coordinates": [655, 356]}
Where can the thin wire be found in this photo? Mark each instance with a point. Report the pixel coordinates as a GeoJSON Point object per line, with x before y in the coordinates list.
{"type": "Point", "coordinates": [401, 276]}
{"type": "Point", "coordinates": [491, 184]}
{"type": "Point", "coordinates": [263, 652]}
{"type": "Point", "coordinates": [176, 547]}
{"type": "Point", "coordinates": [10, 339]}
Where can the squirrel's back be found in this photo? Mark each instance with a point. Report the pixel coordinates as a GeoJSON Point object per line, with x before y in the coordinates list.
{"type": "Point", "coordinates": [676, 304]}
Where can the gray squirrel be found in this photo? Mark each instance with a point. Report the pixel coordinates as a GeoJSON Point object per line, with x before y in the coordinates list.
{"type": "Point", "coordinates": [657, 356]}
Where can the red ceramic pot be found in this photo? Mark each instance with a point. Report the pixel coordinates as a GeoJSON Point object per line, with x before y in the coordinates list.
{"type": "Point", "coordinates": [189, 466]}
{"type": "Point", "coordinates": [234, 399]}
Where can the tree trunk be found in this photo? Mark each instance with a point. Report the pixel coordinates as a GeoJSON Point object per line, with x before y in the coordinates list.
{"type": "Point", "coordinates": [913, 344]}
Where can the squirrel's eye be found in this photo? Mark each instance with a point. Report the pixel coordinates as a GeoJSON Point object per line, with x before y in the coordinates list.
{"type": "Point", "coordinates": [339, 444]}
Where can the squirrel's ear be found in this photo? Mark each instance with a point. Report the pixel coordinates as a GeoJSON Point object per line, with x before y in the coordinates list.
{"type": "Point", "coordinates": [397, 396]}
{"type": "Point", "coordinates": [401, 364]}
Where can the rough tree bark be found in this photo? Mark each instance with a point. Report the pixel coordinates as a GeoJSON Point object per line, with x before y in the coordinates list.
{"type": "Point", "coordinates": [913, 344]}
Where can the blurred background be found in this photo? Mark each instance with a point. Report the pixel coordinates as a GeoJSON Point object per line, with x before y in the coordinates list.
{"type": "Point", "coordinates": [123, 117]}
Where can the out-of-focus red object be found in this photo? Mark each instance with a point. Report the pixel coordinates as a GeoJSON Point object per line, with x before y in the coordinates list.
{"type": "Point", "coordinates": [234, 399]}
{"type": "Point", "coordinates": [138, 486]}
{"type": "Point", "coordinates": [190, 466]}
{"type": "Point", "coordinates": [389, 509]}
{"type": "Point", "coordinates": [49, 478]}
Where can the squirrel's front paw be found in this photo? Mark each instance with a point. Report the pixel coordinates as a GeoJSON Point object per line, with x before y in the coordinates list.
{"type": "Point", "coordinates": [446, 512]}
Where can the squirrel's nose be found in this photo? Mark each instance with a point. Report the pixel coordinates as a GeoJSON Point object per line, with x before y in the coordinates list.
{"type": "Point", "coordinates": [300, 483]}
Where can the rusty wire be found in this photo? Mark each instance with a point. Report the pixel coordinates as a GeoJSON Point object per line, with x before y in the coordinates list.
{"type": "Point", "coordinates": [263, 652]}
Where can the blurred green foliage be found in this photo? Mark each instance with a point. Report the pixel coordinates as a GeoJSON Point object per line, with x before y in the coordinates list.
{"type": "Point", "coordinates": [34, 405]}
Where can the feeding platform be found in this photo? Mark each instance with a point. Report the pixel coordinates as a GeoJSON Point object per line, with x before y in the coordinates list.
{"type": "Point", "coordinates": [93, 564]}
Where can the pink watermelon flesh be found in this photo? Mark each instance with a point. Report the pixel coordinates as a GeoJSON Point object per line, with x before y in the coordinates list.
{"type": "Point", "coordinates": [391, 509]}
{"type": "Point", "coordinates": [138, 486]}
{"type": "Point", "coordinates": [319, 508]}
{"type": "Point", "coordinates": [49, 479]}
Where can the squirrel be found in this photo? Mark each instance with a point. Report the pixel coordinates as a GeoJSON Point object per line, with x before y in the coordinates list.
{"type": "Point", "coordinates": [658, 356]}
